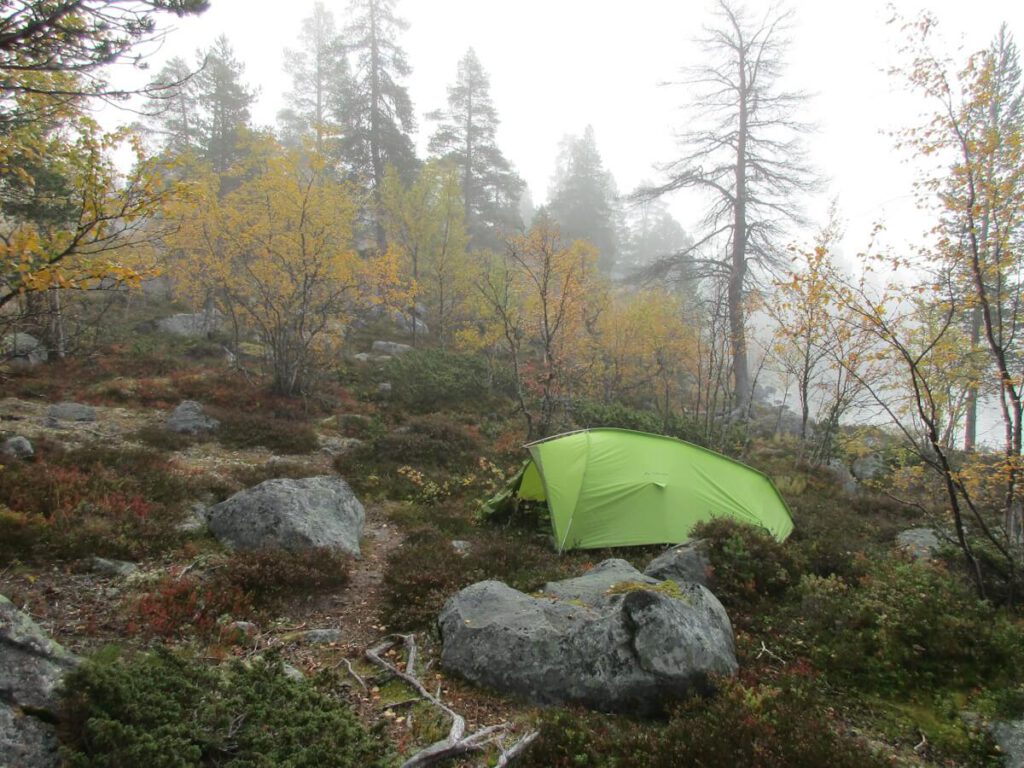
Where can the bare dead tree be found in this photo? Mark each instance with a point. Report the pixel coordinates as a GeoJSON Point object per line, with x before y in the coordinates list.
{"type": "Point", "coordinates": [744, 150]}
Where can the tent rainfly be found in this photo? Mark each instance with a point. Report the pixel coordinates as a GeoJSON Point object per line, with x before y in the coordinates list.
{"type": "Point", "coordinates": [615, 487]}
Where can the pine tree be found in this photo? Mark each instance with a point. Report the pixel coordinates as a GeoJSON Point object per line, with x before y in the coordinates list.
{"type": "Point", "coordinates": [583, 197]}
{"type": "Point", "coordinates": [466, 137]}
{"type": "Point", "coordinates": [202, 110]}
{"type": "Point", "coordinates": [224, 105]}
{"type": "Point", "coordinates": [320, 79]}
{"type": "Point", "coordinates": [377, 117]}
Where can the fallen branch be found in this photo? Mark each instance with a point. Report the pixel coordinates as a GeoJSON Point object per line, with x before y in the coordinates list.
{"type": "Point", "coordinates": [510, 754]}
{"type": "Point", "coordinates": [457, 743]}
{"type": "Point", "coordinates": [352, 671]}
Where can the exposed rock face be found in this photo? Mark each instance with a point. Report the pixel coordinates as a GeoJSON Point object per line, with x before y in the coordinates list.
{"type": "Point", "coordinates": [113, 567]}
{"type": "Point", "coordinates": [22, 349]}
{"type": "Point", "coordinates": [18, 447]}
{"type": "Point", "coordinates": [69, 412]}
{"type": "Point", "coordinates": [841, 474]}
{"type": "Point", "coordinates": [31, 667]}
{"type": "Point", "coordinates": [635, 650]}
{"type": "Point", "coordinates": [919, 543]}
{"type": "Point", "coordinates": [391, 348]}
{"type": "Point", "coordinates": [869, 467]}
{"type": "Point", "coordinates": [198, 325]}
{"type": "Point", "coordinates": [290, 514]}
{"type": "Point", "coordinates": [189, 418]}
{"type": "Point", "coordinates": [686, 562]}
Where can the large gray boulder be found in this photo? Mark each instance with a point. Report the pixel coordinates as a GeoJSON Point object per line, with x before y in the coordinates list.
{"type": "Point", "coordinates": [290, 514]}
{"type": "Point", "coordinates": [687, 562]}
{"type": "Point", "coordinates": [634, 646]}
{"type": "Point", "coordinates": [26, 741]}
{"type": "Point", "coordinates": [1009, 735]}
{"type": "Point", "coordinates": [23, 349]}
{"type": "Point", "coordinates": [31, 668]}
{"type": "Point", "coordinates": [189, 418]}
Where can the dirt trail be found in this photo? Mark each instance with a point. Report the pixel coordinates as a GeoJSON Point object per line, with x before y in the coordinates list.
{"type": "Point", "coordinates": [355, 609]}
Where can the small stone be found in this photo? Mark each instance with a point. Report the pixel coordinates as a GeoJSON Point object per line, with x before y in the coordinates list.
{"type": "Point", "coordinates": [113, 567]}
{"type": "Point", "coordinates": [315, 637]}
{"type": "Point", "coordinates": [292, 673]}
{"type": "Point", "coordinates": [384, 388]}
{"type": "Point", "coordinates": [461, 547]}
{"type": "Point", "coordinates": [18, 447]}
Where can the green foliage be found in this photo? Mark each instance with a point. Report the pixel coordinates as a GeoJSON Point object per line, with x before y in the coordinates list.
{"type": "Point", "coordinates": [111, 502]}
{"type": "Point", "coordinates": [167, 711]}
{"type": "Point", "coordinates": [749, 566]}
{"type": "Point", "coordinates": [162, 439]}
{"type": "Point", "coordinates": [254, 430]}
{"type": "Point", "coordinates": [752, 725]}
{"type": "Point", "coordinates": [431, 379]}
{"type": "Point", "coordinates": [904, 626]}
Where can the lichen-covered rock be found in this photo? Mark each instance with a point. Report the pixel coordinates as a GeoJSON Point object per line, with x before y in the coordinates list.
{"type": "Point", "coordinates": [31, 668]}
{"type": "Point", "coordinates": [687, 562]}
{"type": "Point", "coordinates": [17, 447]}
{"type": "Point", "coordinates": [290, 514]}
{"type": "Point", "coordinates": [26, 741]}
{"type": "Point", "coordinates": [31, 664]}
{"type": "Point", "coordinates": [69, 412]}
{"type": "Point", "coordinates": [1009, 735]}
{"type": "Point", "coordinates": [634, 646]}
{"type": "Point", "coordinates": [189, 418]}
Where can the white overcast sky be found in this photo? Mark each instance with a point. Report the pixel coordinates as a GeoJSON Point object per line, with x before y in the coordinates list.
{"type": "Point", "coordinates": [558, 65]}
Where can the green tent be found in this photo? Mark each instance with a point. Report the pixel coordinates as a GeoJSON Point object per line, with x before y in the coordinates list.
{"type": "Point", "coordinates": [614, 487]}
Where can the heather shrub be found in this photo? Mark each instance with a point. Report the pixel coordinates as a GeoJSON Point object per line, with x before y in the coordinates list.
{"type": "Point", "coordinates": [164, 710]}
{"type": "Point", "coordinates": [427, 570]}
{"type": "Point", "coordinates": [749, 565]}
{"type": "Point", "coordinates": [268, 577]}
{"type": "Point", "coordinates": [182, 606]}
{"type": "Point", "coordinates": [255, 430]}
{"type": "Point", "coordinates": [904, 626]}
{"type": "Point", "coordinates": [111, 502]}
{"type": "Point", "coordinates": [750, 725]}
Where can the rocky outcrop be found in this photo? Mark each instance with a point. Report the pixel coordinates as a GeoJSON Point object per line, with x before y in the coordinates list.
{"type": "Point", "coordinates": [290, 514]}
{"type": "Point", "coordinates": [613, 640]}
{"type": "Point", "coordinates": [31, 667]}
{"type": "Point", "coordinates": [22, 349]}
{"type": "Point", "coordinates": [190, 419]}
{"type": "Point", "coordinates": [390, 348]}
{"type": "Point", "coordinates": [198, 325]}
{"type": "Point", "coordinates": [686, 562]}
{"type": "Point", "coordinates": [919, 543]}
